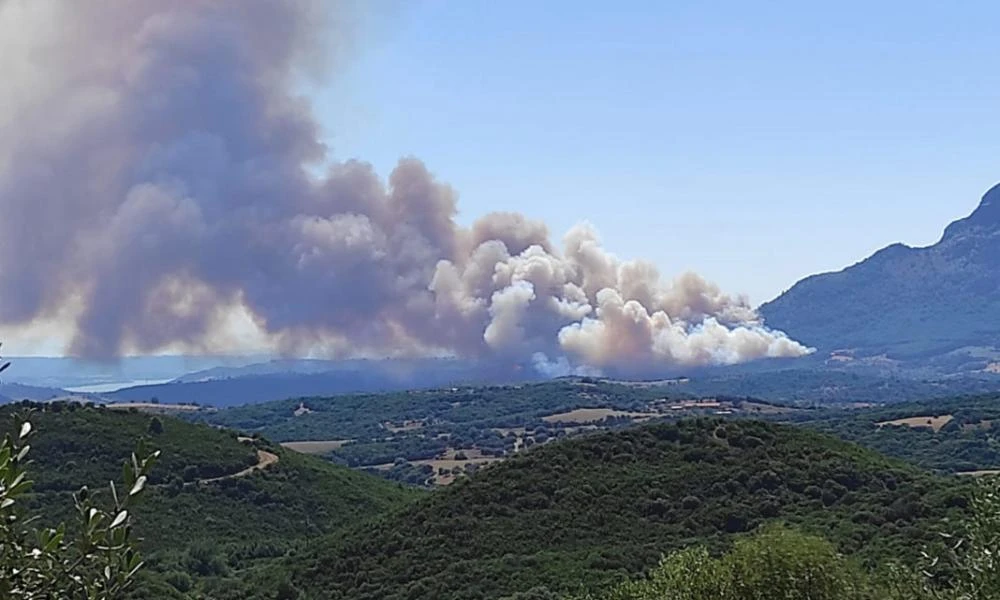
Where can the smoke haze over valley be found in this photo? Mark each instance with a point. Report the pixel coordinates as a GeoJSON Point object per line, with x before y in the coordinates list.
{"type": "Point", "coordinates": [159, 189]}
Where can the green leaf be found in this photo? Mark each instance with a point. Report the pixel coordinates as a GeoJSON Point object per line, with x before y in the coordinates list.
{"type": "Point", "coordinates": [135, 568]}
{"type": "Point", "coordinates": [54, 542]}
{"type": "Point", "coordinates": [147, 464]}
{"type": "Point", "coordinates": [19, 486]}
{"type": "Point", "coordinates": [127, 475]}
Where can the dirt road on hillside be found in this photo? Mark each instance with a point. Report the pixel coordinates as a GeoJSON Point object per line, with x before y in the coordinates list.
{"type": "Point", "coordinates": [264, 460]}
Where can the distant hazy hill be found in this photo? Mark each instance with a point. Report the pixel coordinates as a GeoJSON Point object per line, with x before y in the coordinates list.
{"type": "Point", "coordinates": [220, 539]}
{"type": "Point", "coordinates": [271, 367]}
{"type": "Point", "coordinates": [64, 372]}
{"type": "Point", "coordinates": [281, 379]}
{"type": "Point", "coordinates": [832, 386]}
{"type": "Point", "coordinates": [588, 510]}
{"type": "Point", "coordinates": [907, 302]}
{"type": "Point", "coordinates": [19, 391]}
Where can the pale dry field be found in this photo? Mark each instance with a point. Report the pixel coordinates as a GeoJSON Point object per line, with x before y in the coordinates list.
{"type": "Point", "coordinates": [764, 408]}
{"type": "Point", "coordinates": [935, 423]}
{"type": "Point", "coordinates": [448, 462]}
{"type": "Point", "coordinates": [315, 447]}
{"type": "Point", "coordinates": [591, 415]}
{"type": "Point", "coordinates": [405, 426]}
{"type": "Point", "coordinates": [149, 406]}
{"type": "Point", "coordinates": [983, 473]}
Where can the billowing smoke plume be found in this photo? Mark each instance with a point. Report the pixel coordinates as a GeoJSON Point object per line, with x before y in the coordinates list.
{"type": "Point", "coordinates": [157, 175]}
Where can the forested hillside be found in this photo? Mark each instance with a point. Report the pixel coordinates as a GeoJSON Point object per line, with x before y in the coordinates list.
{"type": "Point", "coordinates": [210, 526]}
{"type": "Point", "coordinates": [586, 511]}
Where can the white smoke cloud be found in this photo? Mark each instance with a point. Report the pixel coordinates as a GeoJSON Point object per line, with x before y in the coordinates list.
{"type": "Point", "coordinates": [157, 174]}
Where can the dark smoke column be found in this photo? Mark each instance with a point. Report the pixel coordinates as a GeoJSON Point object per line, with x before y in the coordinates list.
{"type": "Point", "coordinates": [155, 181]}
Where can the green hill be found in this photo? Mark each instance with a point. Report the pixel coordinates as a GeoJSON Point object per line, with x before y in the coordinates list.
{"type": "Point", "coordinates": [588, 511]}
{"type": "Point", "coordinates": [202, 537]}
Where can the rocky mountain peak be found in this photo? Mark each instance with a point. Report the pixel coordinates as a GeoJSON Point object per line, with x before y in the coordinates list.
{"type": "Point", "coordinates": [905, 302]}
{"type": "Point", "coordinates": [985, 218]}
{"type": "Point", "coordinates": [989, 208]}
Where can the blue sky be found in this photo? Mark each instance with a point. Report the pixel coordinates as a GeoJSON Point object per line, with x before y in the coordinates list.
{"type": "Point", "coordinates": [755, 143]}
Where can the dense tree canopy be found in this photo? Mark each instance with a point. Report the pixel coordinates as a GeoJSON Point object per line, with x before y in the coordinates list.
{"type": "Point", "coordinates": [591, 509]}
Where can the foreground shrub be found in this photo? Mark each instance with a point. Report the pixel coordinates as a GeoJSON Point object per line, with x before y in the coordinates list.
{"type": "Point", "coordinates": [97, 562]}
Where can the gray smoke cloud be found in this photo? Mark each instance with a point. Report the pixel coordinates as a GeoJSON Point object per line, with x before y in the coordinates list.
{"type": "Point", "coordinates": [157, 174]}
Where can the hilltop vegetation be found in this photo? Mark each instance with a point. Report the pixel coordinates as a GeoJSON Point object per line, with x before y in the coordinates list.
{"type": "Point", "coordinates": [591, 509]}
{"type": "Point", "coordinates": [67, 453]}
{"type": "Point", "coordinates": [776, 563]}
{"type": "Point", "coordinates": [220, 539]}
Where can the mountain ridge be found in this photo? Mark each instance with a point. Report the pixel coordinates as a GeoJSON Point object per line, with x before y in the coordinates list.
{"type": "Point", "coordinates": [906, 302]}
